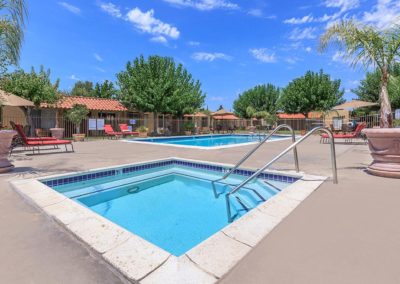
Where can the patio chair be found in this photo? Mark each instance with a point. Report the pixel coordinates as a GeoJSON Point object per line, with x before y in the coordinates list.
{"type": "Point", "coordinates": [348, 137]}
{"type": "Point", "coordinates": [110, 133]}
{"type": "Point", "coordinates": [32, 142]}
{"type": "Point", "coordinates": [20, 129]}
{"type": "Point", "coordinates": [125, 130]}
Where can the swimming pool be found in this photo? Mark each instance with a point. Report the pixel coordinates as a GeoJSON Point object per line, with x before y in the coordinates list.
{"type": "Point", "coordinates": [170, 204]}
{"type": "Point", "coordinates": [209, 141]}
{"type": "Point", "coordinates": [159, 219]}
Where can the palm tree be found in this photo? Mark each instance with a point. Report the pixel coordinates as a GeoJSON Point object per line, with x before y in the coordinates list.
{"type": "Point", "coordinates": [12, 21]}
{"type": "Point", "coordinates": [370, 47]}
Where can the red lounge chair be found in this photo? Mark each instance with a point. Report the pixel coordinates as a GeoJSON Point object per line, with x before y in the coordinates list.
{"type": "Point", "coordinates": [20, 129]}
{"type": "Point", "coordinates": [125, 130]}
{"type": "Point", "coordinates": [109, 131]}
{"type": "Point", "coordinates": [38, 143]}
{"type": "Point", "coordinates": [348, 136]}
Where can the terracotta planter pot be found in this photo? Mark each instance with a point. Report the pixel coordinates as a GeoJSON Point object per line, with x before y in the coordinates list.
{"type": "Point", "coordinates": [78, 137]}
{"type": "Point", "coordinates": [57, 132]}
{"type": "Point", "coordinates": [6, 137]}
{"type": "Point", "coordinates": [384, 144]}
{"type": "Point", "coordinates": [142, 134]}
{"type": "Point", "coordinates": [187, 133]}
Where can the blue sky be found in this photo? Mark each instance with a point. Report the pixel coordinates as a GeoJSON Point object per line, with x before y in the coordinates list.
{"type": "Point", "coordinates": [228, 45]}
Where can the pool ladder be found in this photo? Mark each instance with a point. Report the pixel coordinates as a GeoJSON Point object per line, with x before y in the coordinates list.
{"type": "Point", "coordinates": [277, 157]}
{"type": "Point", "coordinates": [251, 152]}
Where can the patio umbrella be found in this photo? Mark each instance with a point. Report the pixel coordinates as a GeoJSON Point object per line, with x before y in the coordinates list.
{"type": "Point", "coordinates": [354, 104]}
{"type": "Point", "coordinates": [7, 99]}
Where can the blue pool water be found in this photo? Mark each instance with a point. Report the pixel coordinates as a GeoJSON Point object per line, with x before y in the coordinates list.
{"type": "Point", "coordinates": [170, 205]}
{"type": "Point", "coordinates": [209, 140]}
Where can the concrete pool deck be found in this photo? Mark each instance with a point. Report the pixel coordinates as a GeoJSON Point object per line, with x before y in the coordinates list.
{"type": "Point", "coordinates": [345, 233]}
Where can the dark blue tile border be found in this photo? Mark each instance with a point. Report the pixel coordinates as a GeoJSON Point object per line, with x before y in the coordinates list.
{"type": "Point", "coordinates": [131, 169]}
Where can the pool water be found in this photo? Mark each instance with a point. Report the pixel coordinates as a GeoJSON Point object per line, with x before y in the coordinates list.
{"type": "Point", "coordinates": [210, 140]}
{"type": "Point", "coordinates": [171, 205]}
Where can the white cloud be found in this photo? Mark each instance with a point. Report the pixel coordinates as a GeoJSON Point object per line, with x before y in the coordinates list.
{"type": "Point", "coordinates": [300, 34]}
{"type": "Point", "coordinates": [291, 60]}
{"type": "Point", "coordinates": [111, 9]}
{"type": "Point", "coordinates": [73, 77]}
{"type": "Point", "coordinates": [340, 57]}
{"type": "Point", "coordinates": [100, 69]}
{"type": "Point", "coordinates": [97, 57]}
{"type": "Point", "coordinates": [384, 14]}
{"type": "Point", "coordinates": [71, 8]}
{"type": "Point", "coordinates": [255, 12]}
{"type": "Point", "coordinates": [193, 43]}
{"type": "Point", "coordinates": [263, 55]}
{"type": "Point", "coordinates": [295, 21]}
{"type": "Point", "coordinates": [207, 56]}
{"type": "Point", "coordinates": [308, 49]}
{"type": "Point", "coordinates": [205, 5]}
{"type": "Point", "coordinates": [159, 39]}
{"type": "Point", "coordinates": [343, 5]}
{"type": "Point", "coordinates": [146, 22]}
{"type": "Point", "coordinates": [216, 99]}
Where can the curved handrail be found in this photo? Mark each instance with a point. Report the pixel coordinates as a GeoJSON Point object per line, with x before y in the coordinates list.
{"type": "Point", "coordinates": [279, 127]}
{"type": "Point", "coordinates": [333, 161]}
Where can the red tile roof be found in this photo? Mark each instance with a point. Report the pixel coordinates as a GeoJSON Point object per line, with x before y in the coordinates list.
{"type": "Point", "coordinates": [67, 102]}
{"type": "Point", "coordinates": [225, 117]}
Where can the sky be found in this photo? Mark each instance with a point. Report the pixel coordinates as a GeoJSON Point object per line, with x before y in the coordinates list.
{"type": "Point", "coordinates": [229, 45]}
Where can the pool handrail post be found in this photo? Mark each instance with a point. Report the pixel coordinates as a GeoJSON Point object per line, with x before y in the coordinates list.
{"type": "Point", "coordinates": [279, 127]}
{"type": "Point", "coordinates": [293, 145]}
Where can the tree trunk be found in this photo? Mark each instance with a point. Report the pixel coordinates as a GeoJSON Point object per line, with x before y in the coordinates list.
{"type": "Point", "coordinates": [386, 110]}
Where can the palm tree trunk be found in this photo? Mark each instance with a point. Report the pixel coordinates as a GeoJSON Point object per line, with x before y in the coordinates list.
{"type": "Point", "coordinates": [386, 110]}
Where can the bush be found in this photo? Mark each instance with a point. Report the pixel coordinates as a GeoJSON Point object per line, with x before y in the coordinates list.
{"type": "Point", "coordinates": [142, 129]}
{"type": "Point", "coordinates": [189, 126]}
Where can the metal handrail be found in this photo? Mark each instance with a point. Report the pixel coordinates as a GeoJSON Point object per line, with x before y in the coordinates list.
{"type": "Point", "coordinates": [279, 127]}
{"type": "Point", "coordinates": [333, 161]}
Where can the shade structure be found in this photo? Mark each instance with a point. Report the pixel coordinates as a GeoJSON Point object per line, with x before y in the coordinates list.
{"type": "Point", "coordinates": [222, 112]}
{"type": "Point", "coordinates": [225, 117]}
{"type": "Point", "coordinates": [7, 99]}
{"type": "Point", "coordinates": [197, 114]}
{"type": "Point", "coordinates": [354, 104]}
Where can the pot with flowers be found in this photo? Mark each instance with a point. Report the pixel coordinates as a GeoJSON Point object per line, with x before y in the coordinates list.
{"type": "Point", "coordinates": [76, 115]}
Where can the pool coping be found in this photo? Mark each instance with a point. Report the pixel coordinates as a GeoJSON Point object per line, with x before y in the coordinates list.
{"type": "Point", "coordinates": [139, 260]}
{"type": "Point", "coordinates": [138, 141]}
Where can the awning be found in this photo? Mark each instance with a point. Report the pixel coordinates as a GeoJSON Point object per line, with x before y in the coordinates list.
{"type": "Point", "coordinates": [7, 99]}
{"type": "Point", "coordinates": [222, 112]}
{"type": "Point", "coordinates": [197, 114]}
{"type": "Point", "coordinates": [354, 104]}
{"type": "Point", "coordinates": [225, 117]}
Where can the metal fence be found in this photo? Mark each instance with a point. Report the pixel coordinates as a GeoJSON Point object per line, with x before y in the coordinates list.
{"type": "Point", "coordinates": [41, 125]}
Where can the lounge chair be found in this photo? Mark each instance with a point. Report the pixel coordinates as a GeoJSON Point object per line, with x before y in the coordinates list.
{"type": "Point", "coordinates": [20, 129]}
{"type": "Point", "coordinates": [37, 142]}
{"type": "Point", "coordinates": [125, 130]}
{"type": "Point", "coordinates": [348, 137]}
{"type": "Point", "coordinates": [109, 131]}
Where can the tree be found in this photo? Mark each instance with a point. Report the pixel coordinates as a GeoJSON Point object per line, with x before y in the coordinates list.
{"type": "Point", "coordinates": [105, 90]}
{"type": "Point", "coordinates": [311, 92]}
{"type": "Point", "coordinates": [83, 89]}
{"type": "Point", "coordinates": [76, 115]}
{"type": "Point", "coordinates": [12, 21]}
{"type": "Point", "coordinates": [34, 86]}
{"type": "Point", "coordinates": [220, 107]}
{"type": "Point", "coordinates": [259, 98]}
{"type": "Point", "coordinates": [368, 46]}
{"type": "Point", "coordinates": [157, 85]}
{"type": "Point", "coordinates": [369, 88]}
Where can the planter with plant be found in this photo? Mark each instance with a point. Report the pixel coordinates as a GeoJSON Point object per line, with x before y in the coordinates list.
{"type": "Point", "coordinates": [143, 130]}
{"type": "Point", "coordinates": [189, 127]}
{"type": "Point", "coordinates": [377, 48]}
{"type": "Point", "coordinates": [6, 137]}
{"type": "Point", "coordinates": [76, 115]}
